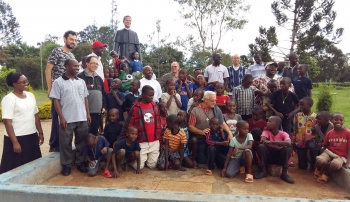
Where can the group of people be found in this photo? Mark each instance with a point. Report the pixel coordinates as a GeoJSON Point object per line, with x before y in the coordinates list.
{"type": "Point", "coordinates": [225, 117]}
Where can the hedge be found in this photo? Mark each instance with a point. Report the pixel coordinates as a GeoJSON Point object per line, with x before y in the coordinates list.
{"type": "Point", "coordinates": [44, 111]}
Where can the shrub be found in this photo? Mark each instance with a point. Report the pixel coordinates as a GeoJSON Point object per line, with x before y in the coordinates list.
{"type": "Point", "coordinates": [325, 100]}
{"type": "Point", "coordinates": [45, 111]}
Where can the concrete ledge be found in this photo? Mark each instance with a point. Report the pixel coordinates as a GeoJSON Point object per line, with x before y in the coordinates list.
{"type": "Point", "coordinates": [342, 178]}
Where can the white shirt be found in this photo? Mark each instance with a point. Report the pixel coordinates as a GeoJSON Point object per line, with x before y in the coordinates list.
{"type": "Point", "coordinates": [216, 73]}
{"type": "Point", "coordinates": [155, 85]}
{"type": "Point", "coordinates": [21, 111]}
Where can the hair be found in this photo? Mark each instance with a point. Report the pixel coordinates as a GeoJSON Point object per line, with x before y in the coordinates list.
{"type": "Point", "coordinates": [235, 55]}
{"type": "Point", "coordinates": [282, 64]}
{"type": "Point", "coordinates": [247, 76]}
{"type": "Point", "coordinates": [168, 81]}
{"type": "Point", "coordinates": [84, 58]}
{"type": "Point", "coordinates": [200, 91]}
{"type": "Point", "coordinates": [172, 118]}
{"type": "Point", "coordinates": [137, 81]}
{"type": "Point", "coordinates": [325, 114]}
{"type": "Point", "coordinates": [229, 101]}
{"type": "Point", "coordinates": [198, 69]}
{"type": "Point", "coordinates": [218, 84]}
{"type": "Point", "coordinates": [292, 55]}
{"type": "Point", "coordinates": [89, 137]}
{"type": "Point", "coordinates": [272, 81]}
{"type": "Point", "coordinates": [88, 59]}
{"type": "Point", "coordinates": [127, 16]}
{"type": "Point", "coordinates": [145, 89]}
{"type": "Point", "coordinates": [182, 111]}
{"type": "Point", "coordinates": [175, 63]}
{"type": "Point", "coordinates": [305, 66]}
{"type": "Point", "coordinates": [308, 100]}
{"type": "Point", "coordinates": [112, 52]}
{"type": "Point", "coordinates": [67, 61]}
{"type": "Point", "coordinates": [184, 70]}
{"type": "Point", "coordinates": [277, 119]}
{"type": "Point", "coordinates": [131, 128]}
{"type": "Point", "coordinates": [132, 54]}
{"type": "Point", "coordinates": [113, 110]}
{"type": "Point", "coordinates": [214, 119]}
{"type": "Point", "coordinates": [214, 54]}
{"type": "Point", "coordinates": [160, 104]}
{"type": "Point", "coordinates": [258, 54]}
{"type": "Point", "coordinates": [69, 32]}
{"type": "Point", "coordinates": [208, 93]}
{"type": "Point", "coordinates": [12, 77]}
{"type": "Point", "coordinates": [286, 79]}
{"type": "Point", "coordinates": [200, 75]}
{"type": "Point", "coordinates": [240, 123]}
{"type": "Point", "coordinates": [146, 67]}
{"type": "Point", "coordinates": [258, 109]}
{"type": "Point", "coordinates": [336, 114]}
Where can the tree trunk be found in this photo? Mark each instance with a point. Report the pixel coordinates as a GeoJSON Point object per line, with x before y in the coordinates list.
{"type": "Point", "coordinates": [295, 27]}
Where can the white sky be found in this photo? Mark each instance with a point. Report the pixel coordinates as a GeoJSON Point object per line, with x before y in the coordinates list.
{"type": "Point", "coordinates": [40, 17]}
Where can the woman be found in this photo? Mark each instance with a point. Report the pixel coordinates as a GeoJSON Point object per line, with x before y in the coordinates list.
{"type": "Point", "coordinates": [21, 120]}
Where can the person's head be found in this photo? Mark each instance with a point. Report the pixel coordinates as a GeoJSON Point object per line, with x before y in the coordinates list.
{"type": "Point", "coordinates": [175, 67]}
{"type": "Point", "coordinates": [209, 99]}
{"type": "Point", "coordinates": [183, 73]}
{"type": "Point", "coordinates": [134, 85]}
{"type": "Point", "coordinates": [305, 104]}
{"type": "Point", "coordinates": [280, 66]}
{"type": "Point", "coordinates": [90, 140]}
{"type": "Point", "coordinates": [200, 79]}
{"type": "Point", "coordinates": [111, 72]}
{"type": "Point", "coordinates": [83, 62]}
{"type": "Point", "coordinates": [302, 70]}
{"type": "Point", "coordinates": [247, 80]}
{"type": "Point", "coordinates": [170, 85]}
{"type": "Point", "coordinates": [92, 63]}
{"type": "Point", "coordinates": [219, 88]}
{"type": "Point", "coordinates": [131, 133]}
{"type": "Point", "coordinates": [231, 106]}
{"type": "Point", "coordinates": [272, 85]}
{"type": "Point", "coordinates": [197, 72]}
{"type": "Point", "coordinates": [98, 47]}
{"type": "Point", "coordinates": [337, 119]}
{"type": "Point", "coordinates": [242, 127]}
{"type": "Point", "coordinates": [123, 66]}
{"type": "Point", "coordinates": [135, 55]}
{"type": "Point", "coordinates": [214, 124]}
{"type": "Point", "coordinates": [172, 121]}
{"type": "Point", "coordinates": [293, 59]}
{"type": "Point", "coordinates": [236, 60]}
{"type": "Point", "coordinates": [116, 84]}
{"type": "Point", "coordinates": [127, 21]}
{"type": "Point", "coordinates": [17, 80]}
{"type": "Point", "coordinates": [323, 118]}
{"type": "Point", "coordinates": [106, 72]}
{"type": "Point", "coordinates": [198, 95]}
{"type": "Point", "coordinates": [70, 39]}
{"type": "Point", "coordinates": [147, 72]}
{"type": "Point", "coordinates": [113, 54]}
{"type": "Point", "coordinates": [257, 113]}
{"type": "Point", "coordinates": [217, 58]}
{"type": "Point", "coordinates": [182, 116]}
{"type": "Point", "coordinates": [147, 94]}
{"type": "Point", "coordinates": [257, 58]}
{"type": "Point", "coordinates": [285, 84]}
{"type": "Point", "coordinates": [72, 67]}
{"type": "Point", "coordinates": [113, 115]}
{"type": "Point", "coordinates": [162, 108]}
{"type": "Point", "coordinates": [273, 123]}
{"type": "Point", "coordinates": [270, 69]}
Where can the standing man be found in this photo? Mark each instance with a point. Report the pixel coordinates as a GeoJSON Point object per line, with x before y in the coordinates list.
{"type": "Point", "coordinates": [97, 50]}
{"type": "Point", "coordinates": [216, 72]}
{"type": "Point", "coordinates": [55, 69]}
{"type": "Point", "coordinates": [70, 97]}
{"type": "Point", "coordinates": [97, 94]}
{"type": "Point", "coordinates": [258, 68]}
{"type": "Point", "coordinates": [236, 74]}
{"type": "Point", "coordinates": [126, 41]}
{"type": "Point", "coordinates": [292, 70]}
{"type": "Point", "coordinates": [174, 74]}
{"type": "Point", "coordinates": [147, 80]}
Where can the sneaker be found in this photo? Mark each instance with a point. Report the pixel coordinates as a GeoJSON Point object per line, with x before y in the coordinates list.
{"type": "Point", "coordinates": [66, 171]}
{"type": "Point", "coordinates": [82, 168]}
{"type": "Point", "coordinates": [54, 149]}
{"type": "Point", "coordinates": [287, 179]}
{"type": "Point", "coordinates": [260, 175]}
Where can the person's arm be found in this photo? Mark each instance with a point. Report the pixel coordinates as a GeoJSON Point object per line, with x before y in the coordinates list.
{"type": "Point", "coordinates": [104, 105]}
{"type": "Point", "coordinates": [114, 93]}
{"type": "Point", "coordinates": [166, 154]}
{"type": "Point", "coordinates": [39, 129]}
{"type": "Point", "coordinates": [225, 82]}
{"type": "Point", "coordinates": [48, 77]}
{"type": "Point", "coordinates": [296, 107]}
{"type": "Point", "coordinates": [181, 151]}
{"type": "Point", "coordinates": [286, 143]}
{"type": "Point", "coordinates": [57, 104]}
{"type": "Point", "coordinates": [193, 129]}
{"type": "Point", "coordinates": [309, 93]}
{"type": "Point", "coordinates": [269, 105]}
{"type": "Point", "coordinates": [116, 174]}
{"type": "Point", "coordinates": [11, 134]}
{"type": "Point", "coordinates": [88, 118]}
{"type": "Point", "coordinates": [249, 146]}
{"type": "Point", "coordinates": [177, 100]}
{"type": "Point", "coordinates": [227, 130]}
{"type": "Point", "coordinates": [227, 159]}
{"type": "Point", "coordinates": [188, 89]}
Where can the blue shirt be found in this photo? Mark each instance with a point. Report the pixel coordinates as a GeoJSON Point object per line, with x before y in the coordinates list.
{"type": "Point", "coordinates": [95, 152]}
{"type": "Point", "coordinates": [136, 66]}
{"type": "Point", "coordinates": [210, 88]}
{"type": "Point", "coordinates": [183, 93]}
{"type": "Point", "coordinates": [302, 86]}
{"type": "Point", "coordinates": [135, 146]}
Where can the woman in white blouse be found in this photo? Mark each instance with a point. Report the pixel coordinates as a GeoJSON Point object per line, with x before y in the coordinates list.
{"type": "Point", "coordinates": [22, 125]}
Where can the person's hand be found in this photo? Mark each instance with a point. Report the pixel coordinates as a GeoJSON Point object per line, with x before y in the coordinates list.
{"type": "Point", "coordinates": [63, 123]}
{"type": "Point", "coordinates": [225, 143]}
{"type": "Point", "coordinates": [104, 150]}
{"type": "Point", "coordinates": [347, 165]}
{"type": "Point", "coordinates": [103, 111]}
{"type": "Point", "coordinates": [234, 152]}
{"type": "Point", "coordinates": [290, 115]}
{"type": "Point", "coordinates": [266, 142]}
{"type": "Point", "coordinates": [88, 117]}
{"type": "Point", "coordinates": [174, 93]}
{"type": "Point", "coordinates": [41, 139]}
{"type": "Point", "coordinates": [48, 93]}
{"type": "Point", "coordinates": [205, 131]}
{"type": "Point", "coordinates": [116, 174]}
{"type": "Point", "coordinates": [228, 89]}
{"type": "Point", "coordinates": [223, 172]}
{"type": "Point", "coordinates": [92, 164]}
{"type": "Point", "coordinates": [17, 148]}
{"type": "Point", "coordinates": [138, 172]}
{"type": "Point", "coordinates": [279, 114]}
{"type": "Point", "coordinates": [195, 104]}
{"type": "Point", "coordinates": [115, 143]}
{"type": "Point", "coordinates": [267, 93]}
{"type": "Point", "coordinates": [221, 129]}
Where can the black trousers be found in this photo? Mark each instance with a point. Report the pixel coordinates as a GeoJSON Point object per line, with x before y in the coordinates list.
{"type": "Point", "coordinates": [302, 154]}
{"type": "Point", "coordinates": [287, 125]}
{"type": "Point", "coordinates": [269, 156]}
{"type": "Point", "coordinates": [95, 123]}
{"type": "Point", "coordinates": [215, 156]}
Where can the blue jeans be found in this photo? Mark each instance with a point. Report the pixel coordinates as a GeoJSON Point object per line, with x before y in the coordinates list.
{"type": "Point", "coordinates": [302, 154]}
{"type": "Point", "coordinates": [54, 136]}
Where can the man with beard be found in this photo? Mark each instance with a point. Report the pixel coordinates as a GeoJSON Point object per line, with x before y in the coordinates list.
{"type": "Point", "coordinates": [54, 69]}
{"type": "Point", "coordinates": [97, 51]}
{"type": "Point", "coordinates": [216, 72]}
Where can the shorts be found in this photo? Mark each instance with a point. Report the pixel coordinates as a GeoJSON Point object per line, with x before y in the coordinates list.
{"type": "Point", "coordinates": [236, 163]}
{"type": "Point", "coordinates": [92, 171]}
{"type": "Point", "coordinates": [187, 152]}
{"type": "Point", "coordinates": [172, 156]}
{"type": "Point", "coordinates": [329, 156]}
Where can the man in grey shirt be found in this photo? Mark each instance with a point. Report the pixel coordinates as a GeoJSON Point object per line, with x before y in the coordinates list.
{"type": "Point", "coordinates": [70, 99]}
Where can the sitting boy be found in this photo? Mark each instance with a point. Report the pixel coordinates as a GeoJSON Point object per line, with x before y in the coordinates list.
{"type": "Point", "coordinates": [95, 150]}
{"type": "Point", "coordinates": [337, 153]}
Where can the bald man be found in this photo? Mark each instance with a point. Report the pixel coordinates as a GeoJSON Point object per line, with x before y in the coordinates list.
{"type": "Point", "coordinates": [236, 74]}
{"type": "Point", "coordinates": [174, 74]}
{"type": "Point", "coordinates": [147, 80]}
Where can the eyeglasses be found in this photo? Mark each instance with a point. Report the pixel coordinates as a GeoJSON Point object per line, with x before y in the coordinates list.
{"type": "Point", "coordinates": [23, 82]}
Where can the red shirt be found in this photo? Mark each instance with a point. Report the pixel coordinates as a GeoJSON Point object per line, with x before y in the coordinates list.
{"type": "Point", "coordinates": [148, 118]}
{"type": "Point", "coordinates": [338, 142]}
{"type": "Point", "coordinates": [222, 99]}
{"type": "Point", "coordinates": [163, 122]}
{"type": "Point", "coordinates": [260, 124]}
{"type": "Point", "coordinates": [105, 83]}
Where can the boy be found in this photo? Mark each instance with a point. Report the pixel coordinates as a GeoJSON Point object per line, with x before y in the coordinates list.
{"type": "Point", "coordinates": [116, 60]}
{"type": "Point", "coordinates": [304, 121]}
{"type": "Point", "coordinates": [115, 99]}
{"type": "Point", "coordinates": [135, 64]}
{"type": "Point", "coordinates": [171, 98]}
{"type": "Point", "coordinates": [184, 88]}
{"type": "Point", "coordinates": [127, 151]}
{"type": "Point", "coordinates": [95, 150]}
{"type": "Point", "coordinates": [337, 153]}
{"type": "Point", "coordinates": [201, 84]}
{"type": "Point", "coordinates": [112, 73]}
{"type": "Point", "coordinates": [163, 115]}
{"type": "Point", "coordinates": [107, 81]}
{"type": "Point", "coordinates": [195, 100]}
{"type": "Point", "coordinates": [133, 95]}
{"type": "Point", "coordinates": [221, 99]}
{"type": "Point", "coordinates": [280, 68]}
{"type": "Point", "coordinates": [275, 148]}
{"type": "Point", "coordinates": [284, 104]}
{"type": "Point", "coordinates": [113, 127]}
{"type": "Point", "coordinates": [175, 139]}
{"type": "Point", "coordinates": [302, 84]}
{"type": "Point", "coordinates": [231, 118]}
{"type": "Point", "coordinates": [272, 86]}
{"type": "Point", "coordinates": [321, 128]}
{"type": "Point", "coordinates": [217, 142]}
{"type": "Point", "coordinates": [191, 145]}
{"type": "Point", "coordinates": [243, 96]}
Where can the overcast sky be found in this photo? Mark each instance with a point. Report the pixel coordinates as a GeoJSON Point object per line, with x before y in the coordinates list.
{"type": "Point", "coordinates": [40, 17]}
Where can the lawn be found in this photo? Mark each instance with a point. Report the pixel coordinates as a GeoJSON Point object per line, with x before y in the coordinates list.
{"type": "Point", "coordinates": [41, 97]}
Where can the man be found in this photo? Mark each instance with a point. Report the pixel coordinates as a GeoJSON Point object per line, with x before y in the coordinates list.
{"type": "Point", "coordinates": [258, 68]}
{"type": "Point", "coordinates": [54, 69]}
{"type": "Point", "coordinates": [96, 90]}
{"type": "Point", "coordinates": [126, 41]}
{"type": "Point", "coordinates": [174, 74]}
{"type": "Point", "coordinates": [198, 123]}
{"type": "Point", "coordinates": [70, 97]}
{"type": "Point", "coordinates": [97, 50]}
{"type": "Point", "coordinates": [147, 80]}
{"type": "Point", "coordinates": [236, 73]}
{"type": "Point", "coordinates": [216, 72]}
{"type": "Point", "coordinates": [292, 70]}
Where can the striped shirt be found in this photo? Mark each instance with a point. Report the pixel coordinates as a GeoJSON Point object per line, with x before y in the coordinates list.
{"type": "Point", "coordinates": [256, 70]}
{"type": "Point", "coordinates": [175, 140]}
{"type": "Point", "coordinates": [244, 98]}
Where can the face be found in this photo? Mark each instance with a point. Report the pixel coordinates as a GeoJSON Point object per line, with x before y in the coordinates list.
{"type": "Point", "coordinates": [217, 58]}
{"type": "Point", "coordinates": [196, 73]}
{"type": "Point", "coordinates": [111, 73]}
{"type": "Point", "coordinates": [219, 88]}
{"type": "Point", "coordinates": [134, 86]}
{"type": "Point", "coordinates": [91, 142]}
{"type": "Point", "coordinates": [231, 107]}
{"type": "Point", "coordinates": [271, 70]}
{"type": "Point", "coordinates": [72, 68]}
{"type": "Point", "coordinates": [148, 72]}
{"type": "Point", "coordinates": [183, 75]}
{"type": "Point", "coordinates": [201, 79]}
{"type": "Point", "coordinates": [301, 70]}
{"type": "Point", "coordinates": [271, 124]}
{"type": "Point", "coordinates": [170, 124]}
{"type": "Point", "coordinates": [21, 84]}
{"type": "Point", "coordinates": [116, 83]}
{"type": "Point", "coordinates": [210, 102]}
{"type": "Point", "coordinates": [127, 22]}
{"type": "Point", "coordinates": [244, 129]}
{"type": "Point", "coordinates": [304, 106]}
{"type": "Point", "coordinates": [92, 65]}
{"type": "Point", "coordinates": [284, 85]}
{"type": "Point", "coordinates": [197, 96]}
{"type": "Point", "coordinates": [99, 51]}
{"type": "Point", "coordinates": [71, 41]}
{"type": "Point", "coordinates": [257, 59]}
{"type": "Point", "coordinates": [132, 134]}
{"type": "Point", "coordinates": [114, 54]}
{"type": "Point", "coordinates": [175, 67]}
{"type": "Point", "coordinates": [280, 67]}
{"type": "Point", "coordinates": [171, 86]}
{"type": "Point", "coordinates": [113, 116]}
{"type": "Point", "coordinates": [322, 120]}
{"type": "Point", "coordinates": [163, 109]}
{"type": "Point", "coordinates": [338, 121]}
{"type": "Point", "coordinates": [136, 56]}
{"type": "Point", "coordinates": [182, 116]}
{"type": "Point", "coordinates": [148, 97]}
{"type": "Point", "coordinates": [256, 116]}
{"type": "Point", "coordinates": [106, 73]}
{"type": "Point", "coordinates": [236, 60]}
{"type": "Point", "coordinates": [272, 87]}
{"type": "Point", "coordinates": [214, 125]}
{"type": "Point", "coordinates": [294, 60]}
{"type": "Point", "coordinates": [247, 83]}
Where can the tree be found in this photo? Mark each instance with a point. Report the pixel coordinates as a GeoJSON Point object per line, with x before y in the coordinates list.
{"type": "Point", "coordinates": [9, 26]}
{"type": "Point", "coordinates": [264, 43]}
{"type": "Point", "coordinates": [30, 67]}
{"type": "Point", "coordinates": [81, 50]}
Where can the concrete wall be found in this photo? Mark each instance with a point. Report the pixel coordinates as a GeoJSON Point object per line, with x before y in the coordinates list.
{"type": "Point", "coordinates": [342, 178]}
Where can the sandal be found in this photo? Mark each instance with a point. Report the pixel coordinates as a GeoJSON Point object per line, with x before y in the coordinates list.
{"type": "Point", "coordinates": [323, 179]}
{"type": "Point", "coordinates": [208, 172]}
{"type": "Point", "coordinates": [107, 174]}
{"type": "Point", "coordinates": [317, 174]}
{"type": "Point", "coordinates": [242, 170]}
{"type": "Point", "coordinates": [249, 178]}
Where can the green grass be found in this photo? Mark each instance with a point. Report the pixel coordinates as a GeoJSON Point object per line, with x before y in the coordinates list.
{"type": "Point", "coordinates": [341, 102]}
{"type": "Point", "coordinates": [41, 97]}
